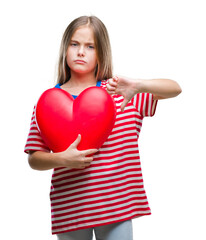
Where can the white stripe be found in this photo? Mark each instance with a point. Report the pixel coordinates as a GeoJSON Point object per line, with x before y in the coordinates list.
{"type": "Point", "coordinates": [34, 142]}
{"type": "Point", "coordinates": [75, 199]}
{"type": "Point", "coordinates": [128, 106]}
{"type": "Point", "coordinates": [81, 185]}
{"type": "Point", "coordinates": [118, 158]}
{"type": "Point", "coordinates": [33, 125]}
{"type": "Point", "coordinates": [120, 134]}
{"type": "Point", "coordinates": [119, 98]}
{"type": "Point", "coordinates": [132, 145]}
{"type": "Point", "coordinates": [36, 148]}
{"type": "Point", "coordinates": [132, 118]}
{"type": "Point", "coordinates": [120, 140]}
{"type": "Point", "coordinates": [149, 105]}
{"type": "Point", "coordinates": [116, 153]}
{"type": "Point", "coordinates": [139, 103]}
{"type": "Point", "coordinates": [128, 114]}
{"type": "Point", "coordinates": [115, 201]}
{"type": "Point", "coordinates": [98, 210]}
{"type": "Point", "coordinates": [89, 170]}
{"type": "Point", "coordinates": [124, 127]}
{"type": "Point", "coordinates": [93, 217]}
{"type": "Point", "coordinates": [77, 195]}
{"type": "Point", "coordinates": [35, 137]}
{"type": "Point", "coordinates": [71, 208]}
{"type": "Point", "coordinates": [57, 171]}
{"type": "Point", "coordinates": [34, 131]}
{"type": "Point", "coordinates": [144, 104]}
{"type": "Point", "coordinates": [103, 173]}
{"type": "Point", "coordinates": [102, 222]}
{"type": "Point", "coordinates": [33, 114]}
{"type": "Point", "coordinates": [53, 190]}
{"type": "Point", "coordinates": [135, 100]}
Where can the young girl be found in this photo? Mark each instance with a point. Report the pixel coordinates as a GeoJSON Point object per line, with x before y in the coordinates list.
{"type": "Point", "coordinates": [103, 192]}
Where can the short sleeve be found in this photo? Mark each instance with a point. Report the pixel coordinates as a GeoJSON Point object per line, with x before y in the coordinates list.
{"type": "Point", "coordinates": [34, 141]}
{"type": "Point", "coordinates": [145, 104]}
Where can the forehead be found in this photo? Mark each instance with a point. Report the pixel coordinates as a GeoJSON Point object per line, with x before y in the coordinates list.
{"type": "Point", "coordinates": [83, 34]}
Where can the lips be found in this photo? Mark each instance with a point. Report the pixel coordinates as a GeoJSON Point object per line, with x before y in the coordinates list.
{"type": "Point", "coordinates": [80, 61]}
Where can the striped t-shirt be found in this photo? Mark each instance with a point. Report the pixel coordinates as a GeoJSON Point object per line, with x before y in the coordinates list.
{"type": "Point", "coordinates": [111, 189]}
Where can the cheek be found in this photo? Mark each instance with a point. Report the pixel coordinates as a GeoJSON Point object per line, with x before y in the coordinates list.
{"type": "Point", "coordinates": [94, 58]}
{"type": "Point", "coordinates": [69, 57]}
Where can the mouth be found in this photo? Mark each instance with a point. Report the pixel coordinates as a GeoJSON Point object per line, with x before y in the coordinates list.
{"type": "Point", "coordinates": [80, 61]}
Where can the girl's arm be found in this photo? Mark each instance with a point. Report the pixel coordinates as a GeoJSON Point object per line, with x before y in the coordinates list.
{"type": "Point", "coordinates": [127, 87]}
{"type": "Point", "coordinates": [71, 157]}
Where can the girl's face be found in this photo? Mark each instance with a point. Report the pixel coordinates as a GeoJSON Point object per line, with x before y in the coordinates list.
{"type": "Point", "coordinates": [81, 53]}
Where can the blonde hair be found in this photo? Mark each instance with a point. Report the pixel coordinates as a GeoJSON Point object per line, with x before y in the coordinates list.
{"type": "Point", "coordinates": [102, 46]}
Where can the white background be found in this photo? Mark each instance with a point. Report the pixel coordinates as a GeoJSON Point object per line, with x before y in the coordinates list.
{"type": "Point", "coordinates": [150, 39]}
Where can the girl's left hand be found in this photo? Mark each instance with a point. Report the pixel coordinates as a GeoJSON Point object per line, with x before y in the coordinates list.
{"type": "Point", "coordinates": [123, 86]}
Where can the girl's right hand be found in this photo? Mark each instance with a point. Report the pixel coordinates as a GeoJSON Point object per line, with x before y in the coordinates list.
{"type": "Point", "coordinates": [73, 158]}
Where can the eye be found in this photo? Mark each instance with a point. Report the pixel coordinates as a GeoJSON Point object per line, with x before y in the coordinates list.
{"type": "Point", "coordinates": [73, 44]}
{"type": "Point", "coordinates": [91, 47]}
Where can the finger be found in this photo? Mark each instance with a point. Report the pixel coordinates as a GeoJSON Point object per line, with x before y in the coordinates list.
{"type": "Point", "coordinates": [111, 92]}
{"type": "Point", "coordinates": [83, 167]}
{"type": "Point", "coordinates": [77, 141]}
{"type": "Point", "coordinates": [112, 82]}
{"type": "Point", "coordinates": [124, 104]}
{"type": "Point", "coordinates": [87, 164]}
{"type": "Point", "coordinates": [110, 88]}
{"type": "Point", "coordinates": [88, 159]}
{"type": "Point", "coordinates": [89, 152]}
{"type": "Point", "coordinates": [115, 78]}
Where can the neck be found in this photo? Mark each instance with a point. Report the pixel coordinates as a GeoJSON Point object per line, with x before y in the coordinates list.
{"type": "Point", "coordinates": [82, 80]}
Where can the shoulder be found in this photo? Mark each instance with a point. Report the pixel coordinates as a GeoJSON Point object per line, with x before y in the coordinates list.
{"type": "Point", "coordinates": [104, 82]}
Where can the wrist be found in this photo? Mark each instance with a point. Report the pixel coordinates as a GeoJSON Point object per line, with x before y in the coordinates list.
{"type": "Point", "coordinates": [60, 159]}
{"type": "Point", "coordinates": [139, 86]}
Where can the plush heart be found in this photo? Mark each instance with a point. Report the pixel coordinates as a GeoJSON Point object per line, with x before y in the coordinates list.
{"type": "Point", "coordinates": [60, 118]}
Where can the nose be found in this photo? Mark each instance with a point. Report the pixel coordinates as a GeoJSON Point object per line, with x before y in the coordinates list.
{"type": "Point", "coordinates": [81, 51]}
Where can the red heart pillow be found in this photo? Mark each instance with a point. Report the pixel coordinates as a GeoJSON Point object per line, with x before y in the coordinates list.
{"type": "Point", "coordinates": [60, 118]}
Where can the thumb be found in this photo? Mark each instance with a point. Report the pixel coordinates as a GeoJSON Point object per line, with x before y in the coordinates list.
{"type": "Point", "coordinates": [77, 141]}
{"type": "Point", "coordinates": [124, 104]}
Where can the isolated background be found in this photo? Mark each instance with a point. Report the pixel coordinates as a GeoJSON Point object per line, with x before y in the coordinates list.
{"type": "Point", "coordinates": [150, 39]}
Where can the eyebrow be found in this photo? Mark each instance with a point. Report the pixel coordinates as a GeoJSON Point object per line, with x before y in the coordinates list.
{"type": "Point", "coordinates": [92, 43]}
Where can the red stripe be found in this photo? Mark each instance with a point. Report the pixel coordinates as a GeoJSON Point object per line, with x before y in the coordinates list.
{"type": "Point", "coordinates": [128, 122]}
{"type": "Point", "coordinates": [99, 183]}
{"type": "Point", "coordinates": [101, 195]}
{"type": "Point", "coordinates": [36, 145]}
{"type": "Point", "coordinates": [133, 150]}
{"type": "Point", "coordinates": [123, 131]}
{"type": "Point", "coordinates": [112, 138]}
{"type": "Point", "coordinates": [54, 192]}
{"type": "Point", "coordinates": [142, 103]}
{"type": "Point", "coordinates": [112, 169]}
{"type": "Point", "coordinates": [127, 195]}
{"type": "Point", "coordinates": [137, 100]}
{"type": "Point", "coordinates": [88, 215]}
{"type": "Point", "coordinates": [146, 104]}
{"type": "Point", "coordinates": [96, 165]}
{"type": "Point", "coordinates": [120, 142]}
{"type": "Point", "coordinates": [121, 117]}
{"type": "Point", "coordinates": [62, 229]}
{"type": "Point", "coordinates": [102, 219]}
